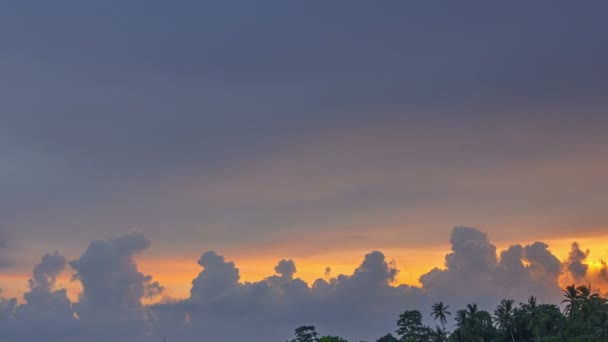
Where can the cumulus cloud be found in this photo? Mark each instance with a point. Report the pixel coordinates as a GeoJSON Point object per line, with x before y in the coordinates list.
{"type": "Point", "coordinates": [217, 277]}
{"type": "Point", "coordinates": [286, 268]}
{"type": "Point", "coordinates": [47, 313]}
{"type": "Point", "coordinates": [576, 262]}
{"type": "Point", "coordinates": [603, 272]}
{"type": "Point", "coordinates": [7, 307]}
{"type": "Point", "coordinates": [113, 287]}
{"type": "Point", "coordinates": [351, 305]}
{"type": "Point", "coordinates": [45, 274]}
{"type": "Point", "coordinates": [362, 305]}
{"type": "Point", "coordinates": [475, 273]}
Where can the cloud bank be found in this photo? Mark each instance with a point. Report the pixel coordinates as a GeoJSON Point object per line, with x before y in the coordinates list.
{"type": "Point", "coordinates": [363, 305]}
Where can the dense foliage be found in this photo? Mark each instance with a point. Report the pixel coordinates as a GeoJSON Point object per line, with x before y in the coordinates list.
{"type": "Point", "coordinates": [584, 319]}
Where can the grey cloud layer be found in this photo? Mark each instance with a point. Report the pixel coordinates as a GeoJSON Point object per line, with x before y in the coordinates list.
{"type": "Point", "coordinates": [221, 308]}
{"type": "Point", "coordinates": [100, 120]}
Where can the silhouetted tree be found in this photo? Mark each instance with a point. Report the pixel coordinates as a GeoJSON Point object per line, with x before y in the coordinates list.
{"type": "Point", "coordinates": [387, 338]}
{"type": "Point", "coordinates": [572, 301]}
{"type": "Point", "coordinates": [599, 323]}
{"type": "Point", "coordinates": [505, 317]}
{"type": "Point", "coordinates": [306, 333]}
{"type": "Point", "coordinates": [438, 335]}
{"type": "Point", "coordinates": [439, 312]}
{"type": "Point", "coordinates": [585, 319]}
{"type": "Point", "coordinates": [534, 313]}
{"type": "Point", "coordinates": [332, 339]}
{"type": "Point", "coordinates": [410, 326]}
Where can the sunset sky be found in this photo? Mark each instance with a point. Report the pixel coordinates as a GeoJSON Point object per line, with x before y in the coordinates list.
{"type": "Point", "coordinates": [312, 131]}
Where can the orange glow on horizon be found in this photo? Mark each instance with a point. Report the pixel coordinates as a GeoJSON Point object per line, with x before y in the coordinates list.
{"type": "Point", "coordinates": [176, 274]}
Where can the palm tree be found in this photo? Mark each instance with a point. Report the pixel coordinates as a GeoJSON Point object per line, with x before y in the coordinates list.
{"type": "Point", "coordinates": [461, 318]}
{"type": "Point", "coordinates": [533, 310]}
{"type": "Point", "coordinates": [474, 322]}
{"type": "Point", "coordinates": [440, 311]}
{"type": "Point", "coordinates": [600, 324]}
{"type": "Point", "coordinates": [504, 316]}
{"type": "Point", "coordinates": [588, 303]}
{"type": "Point", "coordinates": [572, 300]}
{"type": "Point", "coordinates": [438, 335]}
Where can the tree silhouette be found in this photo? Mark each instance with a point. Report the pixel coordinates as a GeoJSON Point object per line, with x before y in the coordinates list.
{"type": "Point", "coordinates": [600, 324]}
{"type": "Point", "coordinates": [505, 317]}
{"type": "Point", "coordinates": [410, 326]}
{"type": "Point", "coordinates": [584, 319]}
{"type": "Point", "coordinates": [387, 338]}
{"type": "Point", "coordinates": [572, 301]}
{"type": "Point", "coordinates": [534, 313]}
{"type": "Point", "coordinates": [332, 339]}
{"type": "Point", "coordinates": [439, 312]}
{"type": "Point", "coordinates": [306, 333]}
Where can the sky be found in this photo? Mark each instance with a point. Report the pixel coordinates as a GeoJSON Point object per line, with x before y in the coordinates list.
{"type": "Point", "coordinates": [201, 152]}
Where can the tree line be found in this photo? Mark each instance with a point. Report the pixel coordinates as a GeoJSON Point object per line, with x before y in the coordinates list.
{"type": "Point", "coordinates": [584, 318]}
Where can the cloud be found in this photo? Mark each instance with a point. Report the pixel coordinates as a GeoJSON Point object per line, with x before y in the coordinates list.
{"type": "Point", "coordinates": [47, 313]}
{"type": "Point", "coordinates": [603, 272]}
{"type": "Point", "coordinates": [579, 269]}
{"type": "Point", "coordinates": [575, 263]}
{"type": "Point", "coordinates": [110, 304]}
{"type": "Point", "coordinates": [45, 273]}
{"type": "Point", "coordinates": [475, 273]}
{"type": "Point", "coordinates": [350, 305]}
{"type": "Point", "coordinates": [217, 277]}
{"type": "Point", "coordinates": [286, 268]}
{"type": "Point", "coordinates": [7, 307]}
{"type": "Point", "coordinates": [362, 305]}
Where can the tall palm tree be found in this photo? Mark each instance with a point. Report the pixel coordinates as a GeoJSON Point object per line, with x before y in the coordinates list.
{"type": "Point", "coordinates": [438, 335]}
{"type": "Point", "coordinates": [588, 303]}
{"type": "Point", "coordinates": [584, 292]}
{"type": "Point", "coordinates": [533, 310]}
{"type": "Point", "coordinates": [461, 319]}
{"type": "Point", "coordinates": [504, 316]}
{"type": "Point", "coordinates": [476, 323]}
{"type": "Point", "coordinates": [472, 310]}
{"type": "Point", "coordinates": [572, 300]}
{"type": "Point", "coordinates": [440, 311]}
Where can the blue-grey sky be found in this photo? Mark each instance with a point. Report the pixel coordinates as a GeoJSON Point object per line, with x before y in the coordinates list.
{"type": "Point", "coordinates": [251, 126]}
